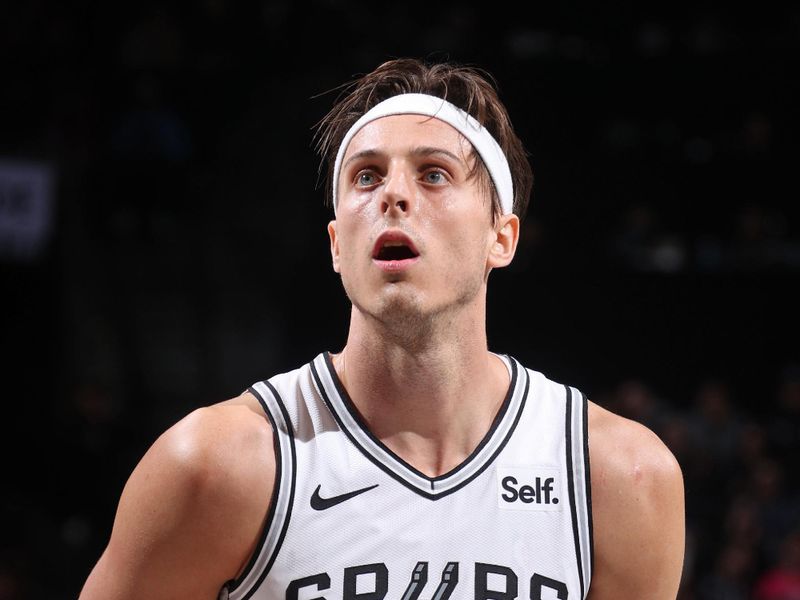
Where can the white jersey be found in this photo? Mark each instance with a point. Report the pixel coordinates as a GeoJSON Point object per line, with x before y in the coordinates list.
{"type": "Point", "coordinates": [351, 520]}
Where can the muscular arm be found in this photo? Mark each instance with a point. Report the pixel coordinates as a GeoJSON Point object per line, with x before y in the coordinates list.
{"type": "Point", "coordinates": [637, 509]}
{"type": "Point", "coordinates": [192, 511]}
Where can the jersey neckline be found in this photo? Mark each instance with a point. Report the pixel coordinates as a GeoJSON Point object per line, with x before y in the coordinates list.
{"type": "Point", "coordinates": [351, 423]}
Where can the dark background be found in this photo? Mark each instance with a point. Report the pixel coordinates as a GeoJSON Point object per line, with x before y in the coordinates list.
{"type": "Point", "coordinates": [188, 256]}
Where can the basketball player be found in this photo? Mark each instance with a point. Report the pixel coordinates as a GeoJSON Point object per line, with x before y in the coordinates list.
{"type": "Point", "coordinates": [414, 463]}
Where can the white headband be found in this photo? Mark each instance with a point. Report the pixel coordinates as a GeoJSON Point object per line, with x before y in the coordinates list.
{"type": "Point", "coordinates": [423, 104]}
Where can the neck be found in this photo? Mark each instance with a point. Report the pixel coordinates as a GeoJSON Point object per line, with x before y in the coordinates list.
{"type": "Point", "coordinates": [431, 396]}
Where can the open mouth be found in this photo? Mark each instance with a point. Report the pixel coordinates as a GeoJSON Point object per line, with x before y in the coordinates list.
{"type": "Point", "coordinates": [394, 246]}
{"type": "Point", "coordinates": [395, 253]}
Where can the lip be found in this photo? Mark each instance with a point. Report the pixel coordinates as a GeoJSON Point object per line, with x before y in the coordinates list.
{"type": "Point", "coordinates": [395, 265]}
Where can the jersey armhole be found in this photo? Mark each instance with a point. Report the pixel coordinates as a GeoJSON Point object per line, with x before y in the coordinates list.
{"type": "Point", "coordinates": [280, 503]}
{"type": "Point", "coordinates": [579, 481]}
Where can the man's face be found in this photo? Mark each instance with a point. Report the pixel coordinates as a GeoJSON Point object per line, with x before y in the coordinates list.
{"type": "Point", "coordinates": [413, 234]}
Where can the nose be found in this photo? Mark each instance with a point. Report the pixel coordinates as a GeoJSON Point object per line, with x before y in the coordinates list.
{"type": "Point", "coordinates": [398, 192]}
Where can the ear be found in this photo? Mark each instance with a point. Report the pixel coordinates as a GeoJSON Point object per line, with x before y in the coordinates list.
{"type": "Point", "coordinates": [334, 245]}
{"type": "Point", "coordinates": [504, 244]}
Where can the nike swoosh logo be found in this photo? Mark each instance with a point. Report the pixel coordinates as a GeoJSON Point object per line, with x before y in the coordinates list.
{"type": "Point", "coordinates": [320, 503]}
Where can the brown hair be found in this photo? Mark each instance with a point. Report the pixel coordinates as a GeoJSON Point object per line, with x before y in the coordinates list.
{"type": "Point", "coordinates": [469, 88]}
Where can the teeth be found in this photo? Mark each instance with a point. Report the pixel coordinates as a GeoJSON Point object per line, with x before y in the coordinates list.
{"type": "Point", "coordinates": [392, 244]}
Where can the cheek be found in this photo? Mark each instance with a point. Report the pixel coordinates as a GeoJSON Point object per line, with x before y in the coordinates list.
{"type": "Point", "coordinates": [467, 241]}
{"type": "Point", "coordinates": [349, 246]}
{"type": "Point", "coordinates": [355, 205]}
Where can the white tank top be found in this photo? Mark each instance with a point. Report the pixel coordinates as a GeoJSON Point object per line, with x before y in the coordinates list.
{"type": "Point", "coordinates": [351, 520]}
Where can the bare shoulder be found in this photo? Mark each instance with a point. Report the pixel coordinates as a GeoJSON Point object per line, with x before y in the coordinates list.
{"type": "Point", "coordinates": [192, 510]}
{"type": "Point", "coordinates": [212, 443]}
{"type": "Point", "coordinates": [217, 452]}
{"type": "Point", "coordinates": [637, 510]}
{"type": "Point", "coordinates": [626, 452]}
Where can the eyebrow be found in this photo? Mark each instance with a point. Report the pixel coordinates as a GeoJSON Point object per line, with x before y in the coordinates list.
{"type": "Point", "coordinates": [419, 152]}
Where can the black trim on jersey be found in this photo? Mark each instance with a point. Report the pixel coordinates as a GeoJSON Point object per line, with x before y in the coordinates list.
{"type": "Point", "coordinates": [350, 407]}
{"type": "Point", "coordinates": [588, 480]}
{"type": "Point", "coordinates": [275, 492]}
{"type": "Point", "coordinates": [571, 486]}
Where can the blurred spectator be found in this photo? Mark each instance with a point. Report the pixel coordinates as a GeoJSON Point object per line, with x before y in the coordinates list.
{"type": "Point", "coordinates": [752, 447]}
{"type": "Point", "coordinates": [779, 510]}
{"type": "Point", "coordinates": [150, 130]}
{"type": "Point", "coordinates": [635, 400]}
{"type": "Point", "coordinates": [782, 581]}
{"type": "Point", "coordinates": [742, 525]}
{"type": "Point", "coordinates": [761, 239]}
{"type": "Point", "coordinates": [713, 429]}
{"type": "Point", "coordinates": [674, 432]}
{"type": "Point", "coordinates": [784, 423]}
{"type": "Point", "coordinates": [730, 577]}
{"type": "Point", "coordinates": [11, 583]}
{"type": "Point", "coordinates": [714, 424]}
{"type": "Point", "coordinates": [644, 243]}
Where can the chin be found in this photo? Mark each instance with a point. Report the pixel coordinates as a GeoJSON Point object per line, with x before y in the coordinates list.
{"type": "Point", "coordinates": [395, 309]}
{"type": "Point", "coordinates": [403, 310]}
{"type": "Point", "coordinates": [395, 304]}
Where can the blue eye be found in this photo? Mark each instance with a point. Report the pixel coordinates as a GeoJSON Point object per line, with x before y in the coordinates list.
{"type": "Point", "coordinates": [366, 179]}
{"type": "Point", "coordinates": [435, 177]}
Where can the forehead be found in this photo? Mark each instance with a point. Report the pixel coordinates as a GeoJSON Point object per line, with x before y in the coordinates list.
{"type": "Point", "coordinates": [401, 133]}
